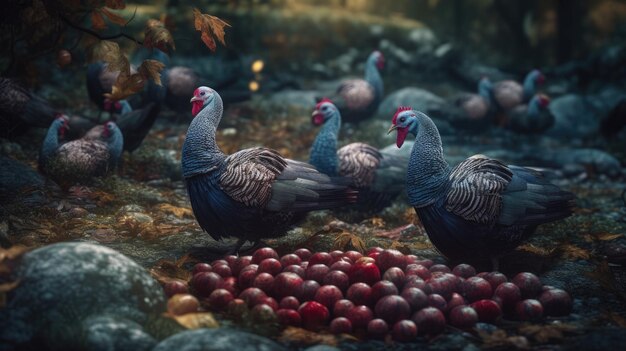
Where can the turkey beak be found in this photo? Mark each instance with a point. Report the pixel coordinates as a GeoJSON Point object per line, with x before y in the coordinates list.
{"type": "Point", "coordinates": [195, 98]}
{"type": "Point", "coordinates": [392, 128]}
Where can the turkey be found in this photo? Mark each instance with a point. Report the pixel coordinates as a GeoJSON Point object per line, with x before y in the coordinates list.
{"type": "Point", "coordinates": [378, 176]}
{"type": "Point", "coordinates": [79, 161]}
{"type": "Point", "coordinates": [509, 93]}
{"type": "Point", "coordinates": [481, 207]}
{"type": "Point", "coordinates": [473, 111]}
{"type": "Point", "coordinates": [358, 99]}
{"type": "Point", "coordinates": [531, 118]}
{"type": "Point", "coordinates": [100, 80]}
{"type": "Point", "coordinates": [134, 126]}
{"type": "Point", "coordinates": [21, 110]}
{"type": "Point", "coordinates": [254, 193]}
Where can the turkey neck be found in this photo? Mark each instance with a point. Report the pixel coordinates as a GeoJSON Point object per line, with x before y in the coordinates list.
{"type": "Point", "coordinates": [201, 154]}
{"type": "Point", "coordinates": [529, 86]}
{"type": "Point", "coordinates": [116, 146]}
{"type": "Point", "coordinates": [533, 108]}
{"type": "Point", "coordinates": [373, 77]}
{"type": "Point", "coordinates": [324, 150]}
{"type": "Point", "coordinates": [428, 171]}
{"type": "Point", "coordinates": [51, 142]}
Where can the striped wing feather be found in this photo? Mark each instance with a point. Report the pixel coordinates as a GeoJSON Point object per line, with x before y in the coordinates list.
{"type": "Point", "coordinates": [359, 161]}
{"type": "Point", "coordinates": [248, 175]}
{"type": "Point", "coordinates": [475, 189]}
{"type": "Point", "coordinates": [85, 157]}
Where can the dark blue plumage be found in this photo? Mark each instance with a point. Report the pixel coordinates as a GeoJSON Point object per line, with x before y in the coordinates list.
{"type": "Point", "coordinates": [379, 176]}
{"type": "Point", "coordinates": [254, 193]}
{"type": "Point", "coordinates": [481, 207]}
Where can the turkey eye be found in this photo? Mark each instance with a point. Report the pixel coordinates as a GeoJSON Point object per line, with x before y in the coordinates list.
{"type": "Point", "coordinates": [324, 108]}
{"type": "Point", "coordinates": [402, 119]}
{"type": "Point", "coordinates": [202, 93]}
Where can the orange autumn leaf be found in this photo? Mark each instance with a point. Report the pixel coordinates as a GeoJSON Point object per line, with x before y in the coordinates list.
{"type": "Point", "coordinates": [113, 17]}
{"type": "Point", "coordinates": [165, 271]}
{"type": "Point", "coordinates": [197, 320]}
{"type": "Point", "coordinates": [97, 20]}
{"type": "Point", "coordinates": [540, 251]}
{"type": "Point", "coordinates": [574, 252]}
{"type": "Point", "coordinates": [208, 41]}
{"type": "Point", "coordinates": [210, 27]}
{"type": "Point", "coordinates": [125, 86]}
{"type": "Point", "coordinates": [156, 35]}
{"type": "Point", "coordinates": [151, 69]}
{"type": "Point", "coordinates": [109, 52]}
{"type": "Point", "coordinates": [607, 236]}
{"type": "Point", "coordinates": [179, 212]}
{"type": "Point", "coordinates": [295, 335]}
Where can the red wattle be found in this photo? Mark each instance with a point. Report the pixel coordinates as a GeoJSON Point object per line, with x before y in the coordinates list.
{"type": "Point", "coordinates": [402, 133]}
{"type": "Point", "coordinates": [196, 107]}
{"type": "Point", "coordinates": [317, 120]}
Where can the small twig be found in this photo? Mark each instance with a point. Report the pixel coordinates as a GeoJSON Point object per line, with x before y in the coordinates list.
{"type": "Point", "coordinates": [95, 34]}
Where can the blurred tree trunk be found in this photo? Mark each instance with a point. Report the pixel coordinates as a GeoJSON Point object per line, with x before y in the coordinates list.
{"type": "Point", "coordinates": [460, 20]}
{"type": "Point", "coordinates": [512, 14]}
{"type": "Point", "coordinates": [570, 15]}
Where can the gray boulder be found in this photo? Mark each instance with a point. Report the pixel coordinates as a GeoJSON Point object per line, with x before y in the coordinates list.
{"type": "Point", "coordinates": [222, 339]}
{"type": "Point", "coordinates": [574, 117]}
{"type": "Point", "coordinates": [106, 333]}
{"type": "Point", "coordinates": [64, 284]}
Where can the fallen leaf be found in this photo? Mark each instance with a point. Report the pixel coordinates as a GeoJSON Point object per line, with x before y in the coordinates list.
{"type": "Point", "coordinates": [540, 251]}
{"type": "Point", "coordinates": [617, 319]}
{"type": "Point", "coordinates": [377, 222]}
{"type": "Point", "coordinates": [546, 333]}
{"type": "Point", "coordinates": [358, 244]}
{"type": "Point", "coordinates": [396, 245]}
{"type": "Point", "coordinates": [305, 337]}
{"type": "Point", "coordinates": [607, 236]}
{"type": "Point", "coordinates": [604, 276]}
{"type": "Point", "coordinates": [179, 212]}
{"type": "Point", "coordinates": [156, 35]}
{"type": "Point", "coordinates": [151, 69]}
{"type": "Point", "coordinates": [13, 252]}
{"type": "Point", "coordinates": [574, 252]}
{"type": "Point", "coordinates": [197, 320]}
{"type": "Point", "coordinates": [499, 339]}
{"type": "Point", "coordinates": [164, 271]}
{"type": "Point", "coordinates": [341, 241]}
{"type": "Point", "coordinates": [125, 86]}
{"type": "Point", "coordinates": [209, 26]}
{"type": "Point", "coordinates": [6, 287]}
{"type": "Point", "coordinates": [113, 17]}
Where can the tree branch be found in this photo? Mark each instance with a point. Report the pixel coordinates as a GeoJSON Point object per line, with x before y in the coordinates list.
{"type": "Point", "coordinates": [96, 34]}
